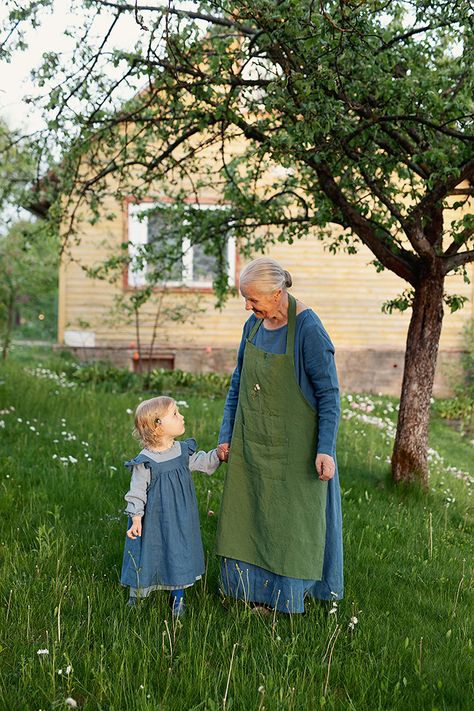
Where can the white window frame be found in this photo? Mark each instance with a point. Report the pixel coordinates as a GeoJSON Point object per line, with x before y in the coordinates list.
{"type": "Point", "coordinates": [137, 237]}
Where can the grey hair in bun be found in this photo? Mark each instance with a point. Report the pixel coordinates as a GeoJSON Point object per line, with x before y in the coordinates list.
{"type": "Point", "coordinates": [266, 274]}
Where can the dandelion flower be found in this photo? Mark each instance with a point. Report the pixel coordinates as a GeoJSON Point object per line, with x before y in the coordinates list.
{"type": "Point", "coordinates": [71, 703]}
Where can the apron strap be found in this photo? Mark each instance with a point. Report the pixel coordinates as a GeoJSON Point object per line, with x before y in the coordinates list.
{"type": "Point", "coordinates": [254, 330]}
{"type": "Point", "coordinates": [290, 337]}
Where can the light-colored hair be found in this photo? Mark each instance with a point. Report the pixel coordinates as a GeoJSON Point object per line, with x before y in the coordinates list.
{"type": "Point", "coordinates": [266, 274]}
{"type": "Point", "coordinates": [147, 417]}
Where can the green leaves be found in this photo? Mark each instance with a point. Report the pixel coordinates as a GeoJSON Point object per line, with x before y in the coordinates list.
{"type": "Point", "coordinates": [295, 115]}
{"type": "Point", "coordinates": [399, 303]}
{"type": "Point", "coordinates": [454, 301]}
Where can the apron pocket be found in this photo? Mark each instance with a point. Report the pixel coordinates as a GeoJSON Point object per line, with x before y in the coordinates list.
{"type": "Point", "coordinates": [265, 456]}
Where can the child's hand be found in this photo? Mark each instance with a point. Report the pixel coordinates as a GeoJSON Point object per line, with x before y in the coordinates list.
{"type": "Point", "coordinates": [136, 528]}
{"type": "Point", "coordinates": [223, 452]}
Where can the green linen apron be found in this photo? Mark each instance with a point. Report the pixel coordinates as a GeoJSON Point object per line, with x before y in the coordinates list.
{"type": "Point", "coordinates": [273, 510]}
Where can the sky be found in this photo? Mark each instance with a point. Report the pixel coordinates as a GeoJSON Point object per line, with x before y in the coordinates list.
{"type": "Point", "coordinates": [15, 80]}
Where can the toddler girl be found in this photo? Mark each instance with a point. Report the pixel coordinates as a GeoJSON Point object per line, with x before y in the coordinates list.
{"type": "Point", "coordinates": [163, 548]}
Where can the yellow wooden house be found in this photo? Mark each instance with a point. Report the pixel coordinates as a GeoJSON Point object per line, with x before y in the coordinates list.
{"type": "Point", "coordinates": [345, 290]}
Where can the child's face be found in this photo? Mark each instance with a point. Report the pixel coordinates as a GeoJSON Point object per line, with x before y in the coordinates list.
{"type": "Point", "coordinates": [172, 423]}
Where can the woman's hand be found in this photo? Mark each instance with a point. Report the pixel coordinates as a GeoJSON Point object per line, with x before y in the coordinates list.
{"type": "Point", "coordinates": [223, 451]}
{"type": "Point", "coordinates": [325, 466]}
{"type": "Point", "coordinates": [135, 529]}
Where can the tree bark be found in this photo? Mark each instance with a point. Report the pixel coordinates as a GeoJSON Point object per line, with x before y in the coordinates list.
{"type": "Point", "coordinates": [410, 453]}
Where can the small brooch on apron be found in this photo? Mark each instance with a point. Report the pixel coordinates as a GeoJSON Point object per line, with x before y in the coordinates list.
{"type": "Point", "coordinates": [256, 390]}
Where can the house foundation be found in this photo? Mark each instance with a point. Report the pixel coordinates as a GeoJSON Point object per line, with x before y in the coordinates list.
{"type": "Point", "coordinates": [360, 370]}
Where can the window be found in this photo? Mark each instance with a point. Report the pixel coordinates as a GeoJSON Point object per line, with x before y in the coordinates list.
{"type": "Point", "coordinates": [191, 268]}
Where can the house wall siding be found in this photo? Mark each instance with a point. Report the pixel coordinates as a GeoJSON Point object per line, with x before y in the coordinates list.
{"type": "Point", "coordinates": [345, 291]}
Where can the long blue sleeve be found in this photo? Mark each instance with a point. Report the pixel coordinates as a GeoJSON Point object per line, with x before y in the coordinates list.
{"type": "Point", "coordinates": [230, 407]}
{"type": "Point", "coordinates": [316, 371]}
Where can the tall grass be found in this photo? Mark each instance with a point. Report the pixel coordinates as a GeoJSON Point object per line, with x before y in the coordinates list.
{"type": "Point", "coordinates": [409, 577]}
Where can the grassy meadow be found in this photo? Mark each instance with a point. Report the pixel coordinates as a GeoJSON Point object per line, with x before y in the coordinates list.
{"type": "Point", "coordinates": [68, 640]}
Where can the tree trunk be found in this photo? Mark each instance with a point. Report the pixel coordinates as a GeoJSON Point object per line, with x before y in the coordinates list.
{"type": "Point", "coordinates": [410, 453]}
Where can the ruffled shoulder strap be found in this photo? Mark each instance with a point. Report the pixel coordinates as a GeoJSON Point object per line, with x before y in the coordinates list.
{"type": "Point", "coordinates": [139, 459]}
{"type": "Point", "coordinates": [189, 446]}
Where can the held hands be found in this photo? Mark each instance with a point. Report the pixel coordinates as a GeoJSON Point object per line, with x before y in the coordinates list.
{"type": "Point", "coordinates": [223, 451]}
{"type": "Point", "coordinates": [325, 466]}
{"type": "Point", "coordinates": [135, 529]}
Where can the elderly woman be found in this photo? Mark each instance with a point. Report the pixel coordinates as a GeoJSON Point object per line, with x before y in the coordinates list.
{"type": "Point", "coordinates": [280, 532]}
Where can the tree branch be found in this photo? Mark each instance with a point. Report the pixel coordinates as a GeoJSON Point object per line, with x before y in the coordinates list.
{"type": "Point", "coordinates": [407, 35]}
{"type": "Point", "coordinates": [441, 190]}
{"type": "Point", "coordinates": [403, 263]}
{"type": "Point", "coordinates": [440, 128]}
{"type": "Point", "coordinates": [457, 260]}
{"type": "Point", "coordinates": [456, 245]}
{"type": "Point", "coordinates": [168, 10]}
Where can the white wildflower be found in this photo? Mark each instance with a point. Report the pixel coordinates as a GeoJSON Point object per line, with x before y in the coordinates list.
{"type": "Point", "coordinates": [114, 469]}
{"type": "Point", "coordinates": [42, 652]}
{"type": "Point", "coordinates": [351, 624]}
{"type": "Point", "coordinates": [72, 459]}
{"type": "Point", "coordinates": [72, 703]}
{"type": "Point", "coordinates": [129, 412]}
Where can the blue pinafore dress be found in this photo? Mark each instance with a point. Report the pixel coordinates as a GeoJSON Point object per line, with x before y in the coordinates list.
{"type": "Point", "coordinates": [169, 553]}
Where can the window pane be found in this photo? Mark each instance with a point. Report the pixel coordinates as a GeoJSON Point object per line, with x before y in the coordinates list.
{"type": "Point", "coordinates": [204, 265]}
{"type": "Point", "coordinates": [168, 258]}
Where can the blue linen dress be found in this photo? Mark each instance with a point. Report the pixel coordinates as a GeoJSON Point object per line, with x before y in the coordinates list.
{"type": "Point", "coordinates": [317, 378]}
{"type": "Point", "coordinates": [169, 553]}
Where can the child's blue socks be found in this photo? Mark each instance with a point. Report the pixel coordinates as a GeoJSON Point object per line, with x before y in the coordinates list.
{"type": "Point", "coordinates": [177, 602]}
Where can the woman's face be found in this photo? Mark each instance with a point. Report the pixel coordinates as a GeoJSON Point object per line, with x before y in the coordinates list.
{"type": "Point", "coordinates": [263, 305]}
